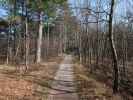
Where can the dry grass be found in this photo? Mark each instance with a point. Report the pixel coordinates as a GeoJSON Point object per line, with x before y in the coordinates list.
{"type": "Point", "coordinates": [15, 89]}
{"type": "Point", "coordinates": [32, 85]}
{"type": "Point", "coordinates": [90, 89]}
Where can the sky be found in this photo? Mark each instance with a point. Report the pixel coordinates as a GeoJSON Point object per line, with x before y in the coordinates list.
{"type": "Point", "coordinates": [120, 8]}
{"type": "Point", "coordinates": [121, 5]}
{"type": "Point", "coordinates": [3, 13]}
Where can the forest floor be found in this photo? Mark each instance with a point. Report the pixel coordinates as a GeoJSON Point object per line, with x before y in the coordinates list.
{"type": "Point", "coordinates": [32, 85]}
{"type": "Point", "coordinates": [59, 78]}
{"type": "Point", "coordinates": [88, 88]}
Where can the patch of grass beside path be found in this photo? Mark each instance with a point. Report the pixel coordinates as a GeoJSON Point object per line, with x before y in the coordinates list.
{"type": "Point", "coordinates": [90, 89]}
{"type": "Point", "coordinates": [32, 85]}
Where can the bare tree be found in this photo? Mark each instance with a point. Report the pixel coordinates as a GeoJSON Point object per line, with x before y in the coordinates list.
{"type": "Point", "coordinates": [113, 49]}
{"type": "Point", "coordinates": [39, 40]}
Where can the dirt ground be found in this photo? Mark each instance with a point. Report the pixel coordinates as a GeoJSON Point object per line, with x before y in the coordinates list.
{"type": "Point", "coordinates": [32, 85]}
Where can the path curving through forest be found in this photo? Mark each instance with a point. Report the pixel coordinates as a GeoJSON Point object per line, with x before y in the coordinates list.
{"type": "Point", "coordinates": [63, 86]}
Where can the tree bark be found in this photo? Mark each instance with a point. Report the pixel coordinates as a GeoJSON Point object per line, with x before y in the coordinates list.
{"type": "Point", "coordinates": [27, 41]}
{"type": "Point", "coordinates": [114, 53]}
{"type": "Point", "coordinates": [8, 41]}
{"type": "Point", "coordinates": [39, 40]}
{"type": "Point", "coordinates": [26, 45]}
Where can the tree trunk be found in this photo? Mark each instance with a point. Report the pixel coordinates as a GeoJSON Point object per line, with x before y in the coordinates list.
{"type": "Point", "coordinates": [39, 40]}
{"type": "Point", "coordinates": [48, 39]}
{"type": "Point", "coordinates": [114, 53]}
{"type": "Point", "coordinates": [26, 44]}
{"type": "Point", "coordinates": [8, 41]}
{"type": "Point", "coordinates": [27, 41]}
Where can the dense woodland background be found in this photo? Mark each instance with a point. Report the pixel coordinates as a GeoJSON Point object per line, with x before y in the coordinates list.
{"type": "Point", "coordinates": [99, 33]}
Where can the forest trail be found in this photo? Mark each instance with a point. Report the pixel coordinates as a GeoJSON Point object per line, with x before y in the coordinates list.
{"type": "Point", "coordinates": [63, 86]}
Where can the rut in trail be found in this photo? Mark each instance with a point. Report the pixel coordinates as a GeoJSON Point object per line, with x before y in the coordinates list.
{"type": "Point", "coordinates": [63, 84]}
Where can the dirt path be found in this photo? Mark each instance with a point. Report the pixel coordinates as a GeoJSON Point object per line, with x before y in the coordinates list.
{"type": "Point", "coordinates": [63, 87]}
